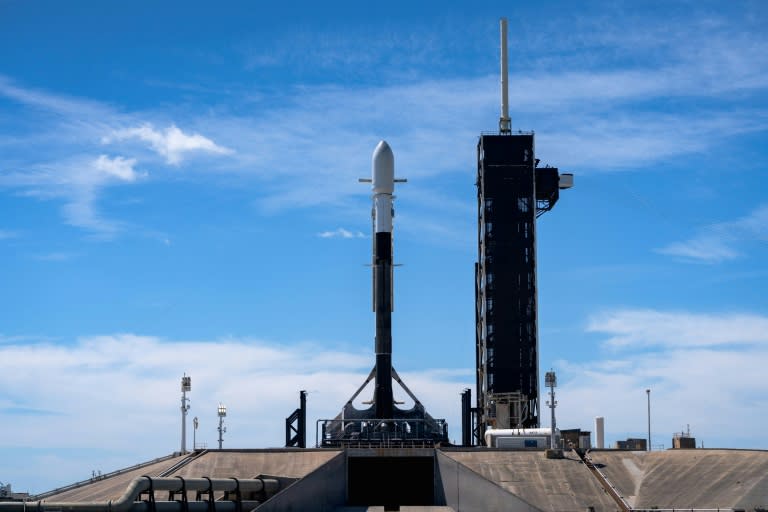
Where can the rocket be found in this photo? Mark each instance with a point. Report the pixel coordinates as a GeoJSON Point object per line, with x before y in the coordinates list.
{"type": "Point", "coordinates": [383, 186]}
{"type": "Point", "coordinates": [382, 416]}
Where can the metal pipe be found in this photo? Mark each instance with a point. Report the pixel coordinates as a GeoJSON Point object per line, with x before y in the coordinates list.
{"type": "Point", "coordinates": [128, 501]}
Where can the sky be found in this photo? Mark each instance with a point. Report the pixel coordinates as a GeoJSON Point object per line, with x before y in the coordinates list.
{"type": "Point", "coordinates": [179, 194]}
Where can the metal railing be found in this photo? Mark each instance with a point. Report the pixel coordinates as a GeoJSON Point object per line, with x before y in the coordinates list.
{"type": "Point", "coordinates": [81, 483]}
{"type": "Point", "coordinates": [611, 489]}
{"type": "Point", "coordinates": [183, 462]}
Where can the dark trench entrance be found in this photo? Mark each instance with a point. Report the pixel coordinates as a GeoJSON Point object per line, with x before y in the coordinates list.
{"type": "Point", "coordinates": [391, 481]}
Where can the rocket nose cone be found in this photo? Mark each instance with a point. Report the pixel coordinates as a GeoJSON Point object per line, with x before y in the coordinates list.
{"type": "Point", "coordinates": [382, 146]}
{"type": "Point", "coordinates": [383, 169]}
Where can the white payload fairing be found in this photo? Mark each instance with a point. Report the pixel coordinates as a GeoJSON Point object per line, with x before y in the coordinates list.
{"type": "Point", "coordinates": [383, 181]}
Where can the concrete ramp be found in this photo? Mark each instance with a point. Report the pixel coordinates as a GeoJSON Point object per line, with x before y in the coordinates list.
{"type": "Point", "coordinates": [546, 484]}
{"type": "Point", "coordinates": [113, 485]}
{"type": "Point", "coordinates": [288, 462]}
{"type": "Point", "coordinates": [699, 478]}
{"type": "Point", "coordinates": [278, 462]}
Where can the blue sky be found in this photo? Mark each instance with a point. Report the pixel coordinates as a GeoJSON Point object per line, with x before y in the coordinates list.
{"type": "Point", "coordinates": [178, 193]}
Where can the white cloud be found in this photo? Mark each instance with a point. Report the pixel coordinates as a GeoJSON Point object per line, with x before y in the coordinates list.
{"type": "Point", "coordinates": [6, 234]}
{"type": "Point", "coordinates": [118, 167]}
{"type": "Point", "coordinates": [126, 387]}
{"type": "Point", "coordinates": [718, 242]}
{"type": "Point", "coordinates": [634, 329]}
{"type": "Point", "coordinates": [341, 233]}
{"type": "Point", "coordinates": [172, 143]}
{"type": "Point", "coordinates": [72, 128]}
{"type": "Point", "coordinates": [706, 370]}
{"type": "Point", "coordinates": [718, 392]}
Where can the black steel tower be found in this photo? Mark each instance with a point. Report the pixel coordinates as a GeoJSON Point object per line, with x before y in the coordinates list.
{"type": "Point", "coordinates": [512, 191]}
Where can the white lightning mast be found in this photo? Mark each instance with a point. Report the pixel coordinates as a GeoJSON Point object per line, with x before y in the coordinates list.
{"type": "Point", "coordinates": [505, 123]}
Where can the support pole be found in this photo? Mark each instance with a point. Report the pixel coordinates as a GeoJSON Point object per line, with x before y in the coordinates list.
{"type": "Point", "coordinates": [648, 392]}
{"type": "Point", "coordinates": [505, 123]}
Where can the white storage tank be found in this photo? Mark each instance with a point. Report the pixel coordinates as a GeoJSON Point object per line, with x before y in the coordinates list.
{"type": "Point", "coordinates": [519, 438]}
{"type": "Point", "coordinates": [599, 432]}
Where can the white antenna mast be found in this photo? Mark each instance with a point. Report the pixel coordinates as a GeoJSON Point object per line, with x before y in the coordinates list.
{"type": "Point", "coordinates": [186, 385]}
{"type": "Point", "coordinates": [505, 123]}
{"type": "Point", "coordinates": [550, 380]}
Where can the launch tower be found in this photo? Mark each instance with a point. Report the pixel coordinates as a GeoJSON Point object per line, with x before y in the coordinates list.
{"type": "Point", "coordinates": [512, 191]}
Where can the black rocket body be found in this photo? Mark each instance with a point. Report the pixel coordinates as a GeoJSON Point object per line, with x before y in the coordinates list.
{"type": "Point", "coordinates": [382, 272]}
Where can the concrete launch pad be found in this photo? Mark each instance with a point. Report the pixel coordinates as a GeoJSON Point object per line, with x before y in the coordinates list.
{"type": "Point", "coordinates": [466, 479]}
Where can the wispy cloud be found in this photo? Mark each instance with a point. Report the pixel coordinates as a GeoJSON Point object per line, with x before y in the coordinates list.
{"type": "Point", "coordinates": [55, 256]}
{"type": "Point", "coordinates": [721, 241]}
{"type": "Point", "coordinates": [705, 248]}
{"type": "Point", "coordinates": [74, 168]}
{"type": "Point", "coordinates": [171, 143]}
{"type": "Point", "coordinates": [48, 102]}
{"type": "Point", "coordinates": [341, 233]}
{"type": "Point", "coordinates": [640, 329]}
{"type": "Point", "coordinates": [21, 339]}
{"type": "Point", "coordinates": [27, 411]}
{"type": "Point", "coordinates": [78, 181]}
{"type": "Point", "coordinates": [6, 234]}
{"type": "Point", "coordinates": [603, 114]}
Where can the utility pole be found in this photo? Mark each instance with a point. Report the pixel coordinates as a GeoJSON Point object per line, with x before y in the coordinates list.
{"type": "Point", "coordinates": [648, 392]}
